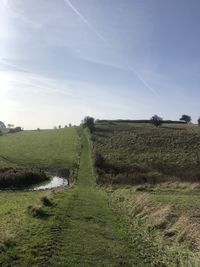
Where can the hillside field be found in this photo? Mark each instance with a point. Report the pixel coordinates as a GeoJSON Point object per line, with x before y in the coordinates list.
{"type": "Point", "coordinates": [42, 149]}
{"type": "Point", "coordinates": [137, 205]}
{"type": "Point", "coordinates": [153, 177]}
{"type": "Point", "coordinates": [48, 149]}
{"type": "Point", "coordinates": [142, 153]}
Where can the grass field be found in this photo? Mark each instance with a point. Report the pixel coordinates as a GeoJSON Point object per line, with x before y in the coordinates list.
{"type": "Point", "coordinates": [154, 176]}
{"type": "Point", "coordinates": [43, 149]}
{"type": "Point", "coordinates": [131, 153]}
{"type": "Point", "coordinates": [85, 224]}
{"type": "Point", "coordinates": [69, 227]}
{"type": "Point", "coordinates": [23, 215]}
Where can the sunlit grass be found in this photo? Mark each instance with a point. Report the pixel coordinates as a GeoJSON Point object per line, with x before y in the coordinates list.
{"type": "Point", "coordinates": [45, 149]}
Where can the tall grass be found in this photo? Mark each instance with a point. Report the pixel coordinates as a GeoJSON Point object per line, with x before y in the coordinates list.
{"type": "Point", "coordinates": [132, 154]}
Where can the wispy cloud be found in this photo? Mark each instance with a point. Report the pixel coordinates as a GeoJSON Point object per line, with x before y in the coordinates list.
{"type": "Point", "coordinates": [7, 62]}
{"type": "Point", "coordinates": [124, 68]}
{"type": "Point", "coordinates": [144, 82]}
{"type": "Point", "coordinates": [9, 9]}
{"type": "Point", "coordinates": [33, 83]}
{"type": "Point", "coordinates": [84, 20]}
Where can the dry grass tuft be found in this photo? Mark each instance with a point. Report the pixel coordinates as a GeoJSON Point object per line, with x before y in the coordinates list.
{"type": "Point", "coordinates": [185, 185]}
{"type": "Point", "coordinates": [140, 205]}
{"type": "Point", "coordinates": [6, 241]}
{"type": "Point", "coordinates": [161, 218]}
{"type": "Point", "coordinates": [187, 231]}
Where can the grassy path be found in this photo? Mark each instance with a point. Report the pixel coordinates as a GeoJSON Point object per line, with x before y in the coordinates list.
{"type": "Point", "coordinates": [91, 234]}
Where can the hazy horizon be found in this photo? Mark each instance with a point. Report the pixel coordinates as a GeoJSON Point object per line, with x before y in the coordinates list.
{"type": "Point", "coordinates": [62, 60]}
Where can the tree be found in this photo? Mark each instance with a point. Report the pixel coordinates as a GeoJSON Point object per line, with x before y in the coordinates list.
{"type": "Point", "coordinates": [198, 121]}
{"type": "Point", "coordinates": [2, 124]}
{"type": "Point", "coordinates": [89, 123]}
{"type": "Point", "coordinates": [185, 118]}
{"type": "Point", "coordinates": [156, 120]}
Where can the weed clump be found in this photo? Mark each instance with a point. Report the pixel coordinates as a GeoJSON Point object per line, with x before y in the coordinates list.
{"type": "Point", "coordinates": [37, 211]}
{"type": "Point", "coordinates": [46, 201]}
{"type": "Point", "coordinates": [6, 241]}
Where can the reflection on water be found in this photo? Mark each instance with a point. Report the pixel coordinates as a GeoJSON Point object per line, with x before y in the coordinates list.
{"type": "Point", "coordinates": [55, 182]}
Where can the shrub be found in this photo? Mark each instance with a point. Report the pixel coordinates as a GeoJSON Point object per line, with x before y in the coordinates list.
{"type": "Point", "coordinates": [15, 130]}
{"type": "Point", "coordinates": [20, 177]}
{"type": "Point", "coordinates": [99, 161]}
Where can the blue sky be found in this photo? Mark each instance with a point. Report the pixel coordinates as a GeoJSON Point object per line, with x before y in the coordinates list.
{"type": "Point", "coordinates": [65, 59]}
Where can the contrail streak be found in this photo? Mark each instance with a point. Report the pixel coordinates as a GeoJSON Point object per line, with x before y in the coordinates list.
{"type": "Point", "coordinates": [144, 82]}
{"type": "Point", "coordinates": [84, 20]}
{"type": "Point", "coordinates": [5, 62]}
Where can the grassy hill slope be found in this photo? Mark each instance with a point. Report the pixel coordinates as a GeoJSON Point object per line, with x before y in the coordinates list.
{"type": "Point", "coordinates": [139, 153]}
{"type": "Point", "coordinates": [44, 149]}
{"type": "Point", "coordinates": [154, 179]}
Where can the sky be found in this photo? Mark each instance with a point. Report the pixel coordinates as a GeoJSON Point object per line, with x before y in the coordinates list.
{"type": "Point", "coordinates": [111, 59]}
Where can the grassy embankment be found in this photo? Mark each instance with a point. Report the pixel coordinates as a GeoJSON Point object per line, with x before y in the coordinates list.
{"type": "Point", "coordinates": [70, 226]}
{"type": "Point", "coordinates": [154, 175]}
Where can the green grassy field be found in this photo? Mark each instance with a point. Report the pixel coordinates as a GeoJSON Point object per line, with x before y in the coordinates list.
{"type": "Point", "coordinates": [43, 149]}
{"type": "Point", "coordinates": [85, 224]}
{"type": "Point", "coordinates": [75, 227]}
{"type": "Point", "coordinates": [49, 149]}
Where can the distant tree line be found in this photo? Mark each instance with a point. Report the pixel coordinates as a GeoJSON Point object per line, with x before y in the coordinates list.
{"type": "Point", "coordinates": [156, 120]}
{"type": "Point", "coordinates": [15, 130]}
